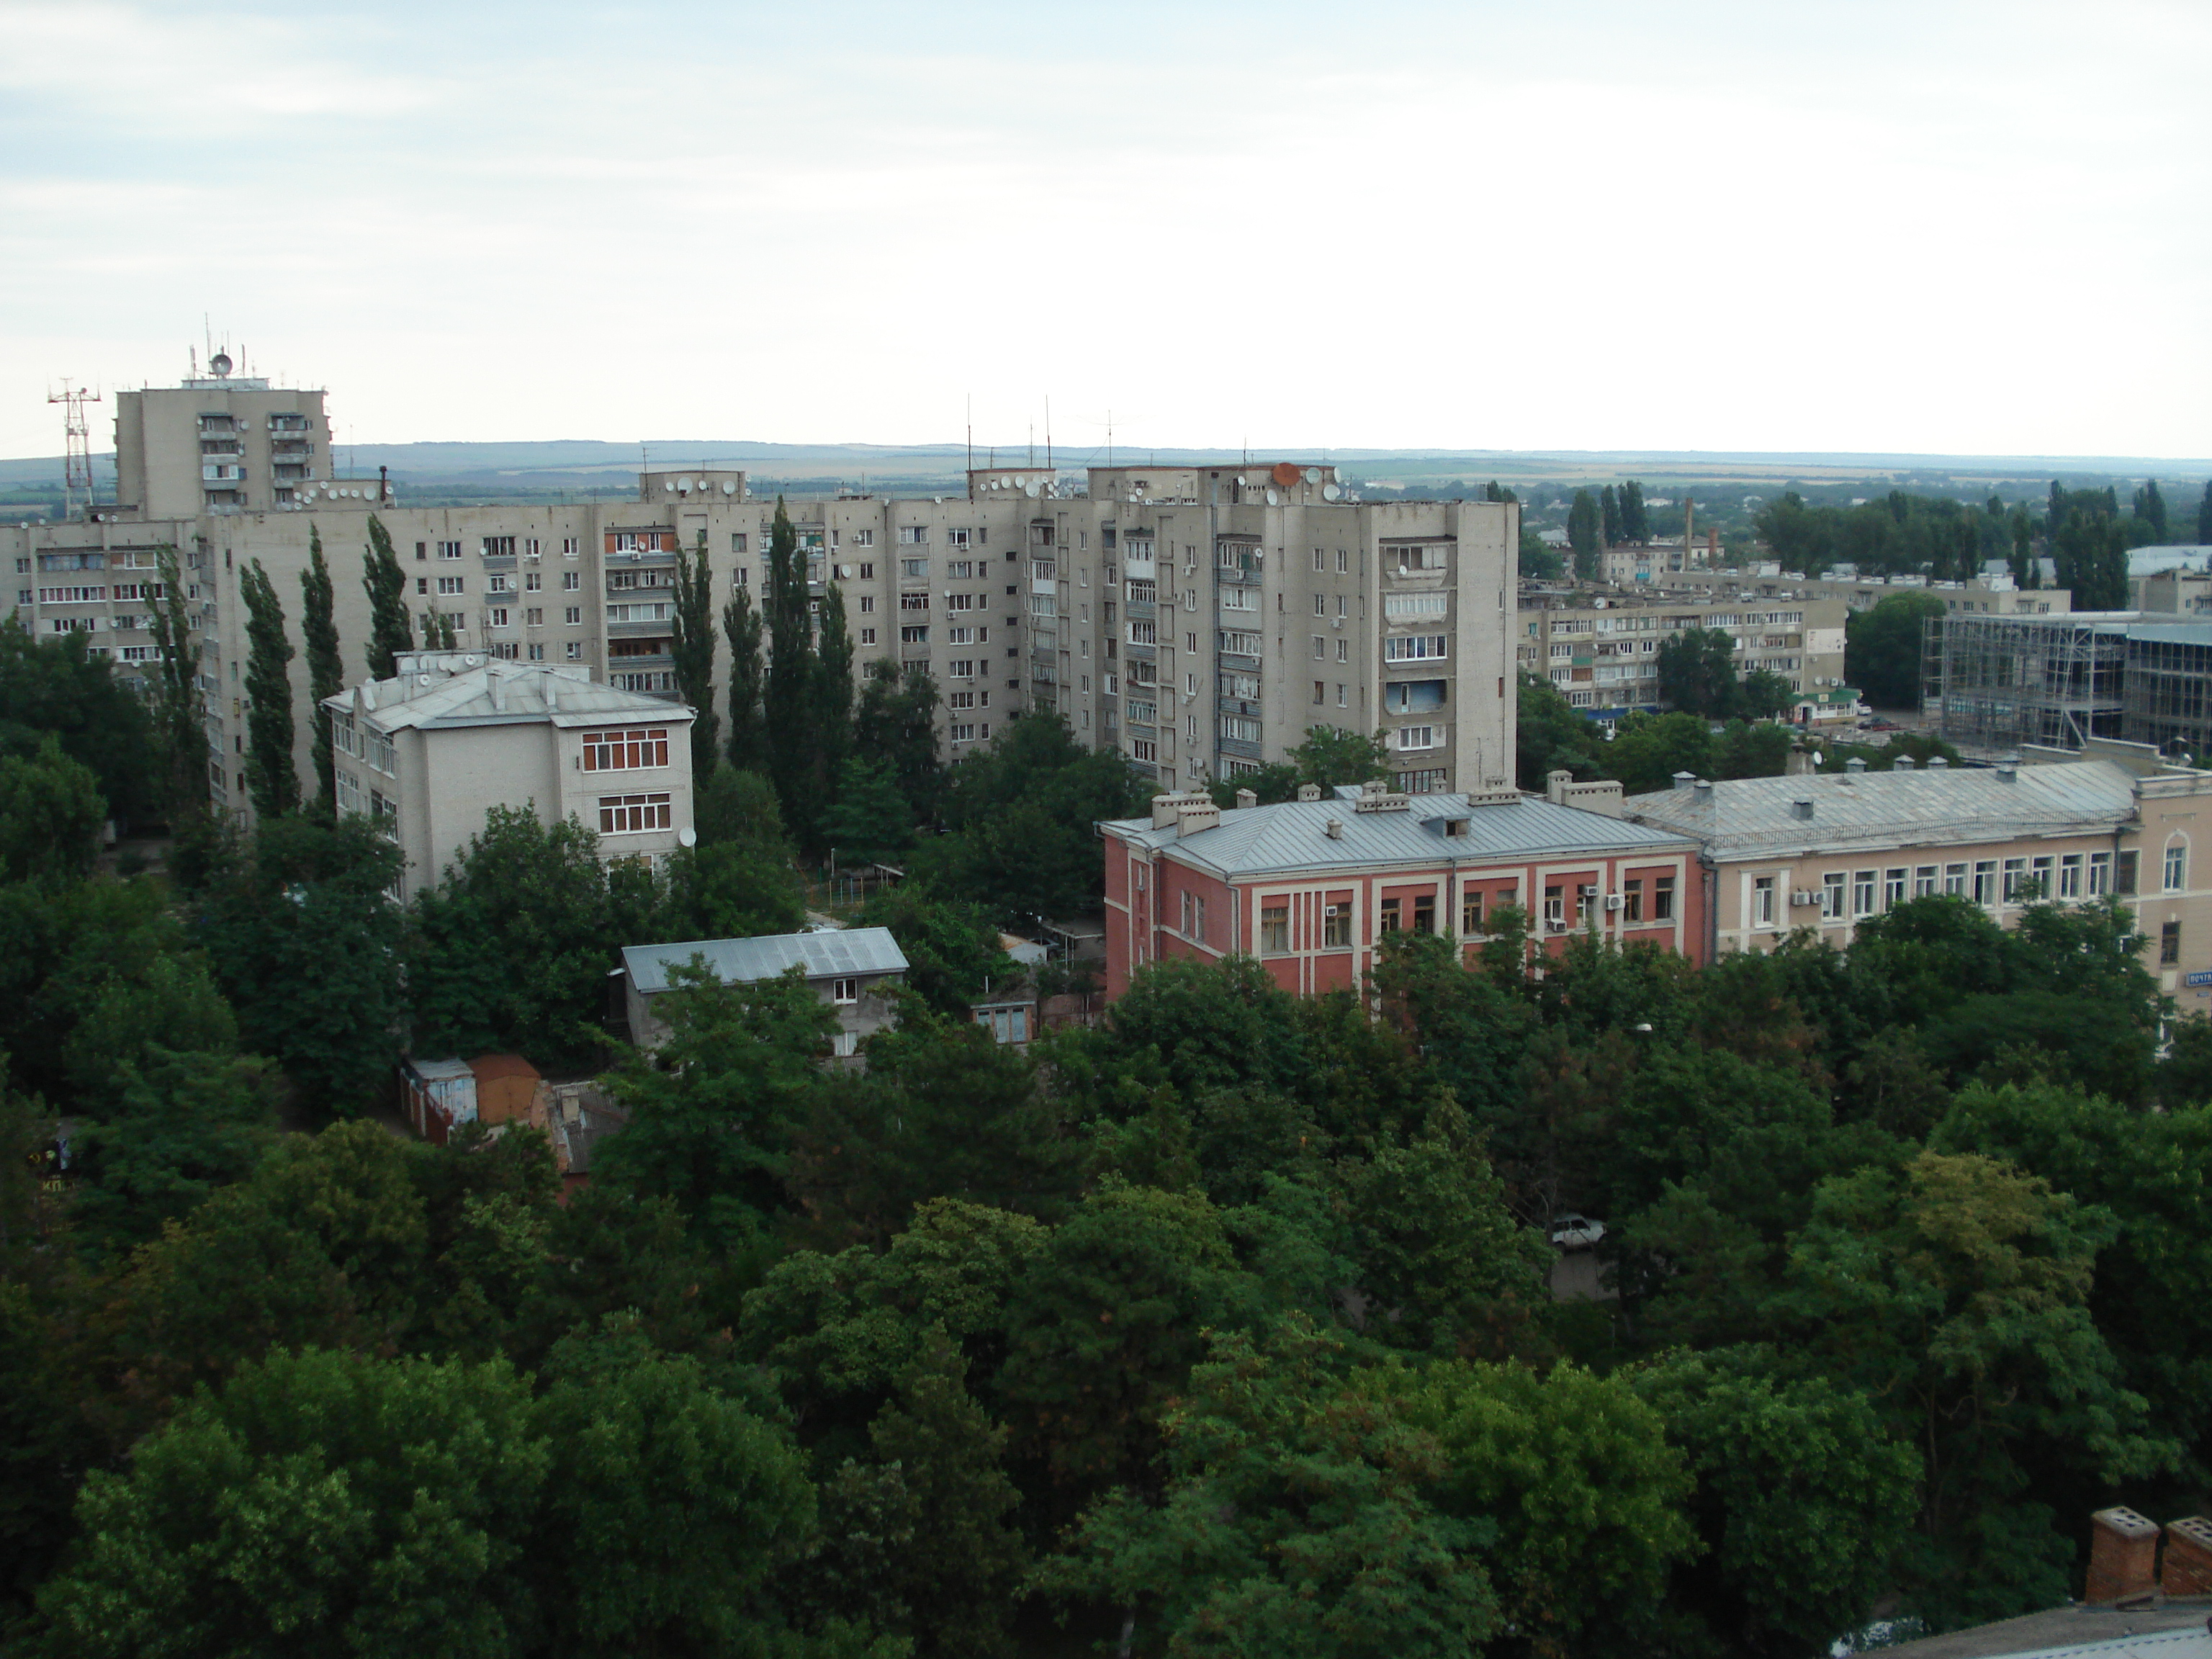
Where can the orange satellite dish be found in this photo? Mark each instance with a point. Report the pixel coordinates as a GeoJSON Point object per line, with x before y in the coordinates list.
{"type": "Point", "coordinates": [1285, 472]}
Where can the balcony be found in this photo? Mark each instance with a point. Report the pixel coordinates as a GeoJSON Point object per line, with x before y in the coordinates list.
{"type": "Point", "coordinates": [652, 659]}
{"type": "Point", "coordinates": [1240, 747]}
{"type": "Point", "coordinates": [1238, 661]}
{"type": "Point", "coordinates": [641, 556]}
{"type": "Point", "coordinates": [1137, 652]}
{"type": "Point", "coordinates": [1240, 707]}
{"type": "Point", "coordinates": [621, 630]}
{"type": "Point", "coordinates": [1142, 609]}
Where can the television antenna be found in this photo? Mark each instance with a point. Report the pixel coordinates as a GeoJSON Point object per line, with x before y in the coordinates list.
{"type": "Point", "coordinates": [77, 452]}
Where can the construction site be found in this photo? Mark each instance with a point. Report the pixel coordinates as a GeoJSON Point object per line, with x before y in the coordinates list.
{"type": "Point", "coordinates": [1995, 684]}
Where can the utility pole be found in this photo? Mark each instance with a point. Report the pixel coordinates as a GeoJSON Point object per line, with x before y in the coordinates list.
{"type": "Point", "coordinates": [77, 452]}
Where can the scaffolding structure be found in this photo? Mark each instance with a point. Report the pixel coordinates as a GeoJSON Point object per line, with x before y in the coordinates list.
{"type": "Point", "coordinates": [1996, 683]}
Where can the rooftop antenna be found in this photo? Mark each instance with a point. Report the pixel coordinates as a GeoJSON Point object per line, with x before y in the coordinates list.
{"type": "Point", "coordinates": [971, 444]}
{"type": "Point", "coordinates": [77, 454]}
{"type": "Point", "coordinates": [1033, 441]}
{"type": "Point", "coordinates": [1047, 436]}
{"type": "Point", "coordinates": [1109, 437]}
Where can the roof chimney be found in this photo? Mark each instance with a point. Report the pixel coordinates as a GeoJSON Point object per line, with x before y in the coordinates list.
{"type": "Point", "coordinates": [2123, 1556]}
{"type": "Point", "coordinates": [1683, 779]}
{"type": "Point", "coordinates": [1800, 808]}
{"type": "Point", "coordinates": [1309, 792]}
{"type": "Point", "coordinates": [1855, 764]}
{"type": "Point", "coordinates": [2009, 768]}
{"type": "Point", "coordinates": [1902, 763]}
{"type": "Point", "coordinates": [2188, 1557]}
{"type": "Point", "coordinates": [1937, 763]}
{"type": "Point", "coordinates": [1704, 790]}
{"type": "Point", "coordinates": [1335, 830]}
{"type": "Point", "coordinates": [1246, 799]}
{"type": "Point", "coordinates": [1193, 816]}
{"type": "Point", "coordinates": [495, 682]}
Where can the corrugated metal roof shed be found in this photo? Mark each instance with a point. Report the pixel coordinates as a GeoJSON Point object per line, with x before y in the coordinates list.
{"type": "Point", "coordinates": [1293, 834]}
{"type": "Point", "coordinates": [1755, 817]}
{"type": "Point", "coordinates": [852, 951]}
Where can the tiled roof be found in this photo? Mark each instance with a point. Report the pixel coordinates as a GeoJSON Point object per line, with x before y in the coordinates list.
{"type": "Point", "coordinates": [827, 954]}
{"type": "Point", "coordinates": [1753, 817]}
{"type": "Point", "coordinates": [499, 694]}
{"type": "Point", "coordinates": [1294, 834]}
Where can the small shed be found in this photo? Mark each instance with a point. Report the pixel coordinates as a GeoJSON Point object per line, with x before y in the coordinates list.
{"type": "Point", "coordinates": [507, 1088]}
{"type": "Point", "coordinates": [440, 1095]}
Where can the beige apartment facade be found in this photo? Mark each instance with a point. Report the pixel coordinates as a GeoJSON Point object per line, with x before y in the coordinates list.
{"type": "Point", "coordinates": [429, 753]}
{"type": "Point", "coordinates": [1602, 653]}
{"type": "Point", "coordinates": [1199, 620]}
{"type": "Point", "coordinates": [1828, 851]}
{"type": "Point", "coordinates": [1990, 596]}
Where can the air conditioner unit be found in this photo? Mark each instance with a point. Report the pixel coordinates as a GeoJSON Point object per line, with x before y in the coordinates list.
{"type": "Point", "coordinates": [1615, 901]}
{"type": "Point", "coordinates": [1555, 926]}
{"type": "Point", "coordinates": [1804, 896]}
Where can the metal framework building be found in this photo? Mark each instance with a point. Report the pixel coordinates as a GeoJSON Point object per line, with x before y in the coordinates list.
{"type": "Point", "coordinates": [1996, 681]}
{"type": "Point", "coordinates": [2168, 688]}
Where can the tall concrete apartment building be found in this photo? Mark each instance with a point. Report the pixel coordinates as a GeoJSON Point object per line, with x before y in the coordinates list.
{"type": "Point", "coordinates": [1198, 619]}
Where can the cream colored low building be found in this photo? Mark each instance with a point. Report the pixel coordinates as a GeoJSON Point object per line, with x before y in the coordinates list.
{"type": "Point", "coordinates": [429, 753]}
{"type": "Point", "coordinates": [1603, 653]}
{"type": "Point", "coordinates": [1829, 850]}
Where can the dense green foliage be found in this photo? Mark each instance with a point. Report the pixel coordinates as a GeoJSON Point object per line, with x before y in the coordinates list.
{"type": "Point", "coordinates": [1882, 648]}
{"type": "Point", "coordinates": [325, 664]}
{"type": "Point", "coordinates": [270, 775]}
{"type": "Point", "coordinates": [691, 651]}
{"type": "Point", "coordinates": [390, 630]}
{"type": "Point", "coordinates": [55, 690]}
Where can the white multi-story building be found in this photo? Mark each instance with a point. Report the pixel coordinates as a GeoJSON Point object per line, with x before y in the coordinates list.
{"type": "Point", "coordinates": [1198, 619]}
{"type": "Point", "coordinates": [429, 753]}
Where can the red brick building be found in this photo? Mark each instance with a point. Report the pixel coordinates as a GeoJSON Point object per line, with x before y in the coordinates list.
{"type": "Point", "coordinates": [1309, 886]}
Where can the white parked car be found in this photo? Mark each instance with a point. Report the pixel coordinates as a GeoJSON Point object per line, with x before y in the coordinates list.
{"type": "Point", "coordinates": [1575, 1232]}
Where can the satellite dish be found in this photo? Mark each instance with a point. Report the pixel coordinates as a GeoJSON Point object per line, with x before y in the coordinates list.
{"type": "Point", "coordinates": [1285, 472]}
{"type": "Point", "coordinates": [1273, 499]}
{"type": "Point", "coordinates": [687, 836]}
{"type": "Point", "coordinates": [668, 484]}
{"type": "Point", "coordinates": [221, 364]}
{"type": "Point", "coordinates": [1313, 475]}
{"type": "Point", "coordinates": [730, 489]}
{"type": "Point", "coordinates": [1332, 492]}
{"type": "Point", "coordinates": [1030, 489]}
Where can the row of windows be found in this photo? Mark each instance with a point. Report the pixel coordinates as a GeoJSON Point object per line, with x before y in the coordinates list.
{"type": "Point", "coordinates": [625, 751]}
{"type": "Point", "coordinates": [1637, 895]}
{"type": "Point", "coordinates": [630, 814]}
{"type": "Point", "coordinates": [2066, 876]}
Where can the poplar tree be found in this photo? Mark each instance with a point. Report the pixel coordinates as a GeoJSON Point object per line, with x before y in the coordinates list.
{"type": "Point", "coordinates": [177, 713]}
{"type": "Point", "coordinates": [693, 652]}
{"type": "Point", "coordinates": [326, 665]}
{"type": "Point", "coordinates": [785, 698]}
{"type": "Point", "coordinates": [830, 714]}
{"type": "Point", "coordinates": [1635, 521]}
{"type": "Point", "coordinates": [1609, 513]}
{"type": "Point", "coordinates": [390, 632]}
{"type": "Point", "coordinates": [741, 626]}
{"type": "Point", "coordinates": [269, 775]}
{"type": "Point", "coordinates": [1581, 533]}
{"type": "Point", "coordinates": [2204, 516]}
{"type": "Point", "coordinates": [2150, 508]}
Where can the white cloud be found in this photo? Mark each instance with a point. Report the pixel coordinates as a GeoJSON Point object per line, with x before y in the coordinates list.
{"type": "Point", "coordinates": [1945, 228]}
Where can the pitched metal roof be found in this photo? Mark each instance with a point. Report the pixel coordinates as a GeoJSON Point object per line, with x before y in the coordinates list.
{"type": "Point", "coordinates": [1253, 841]}
{"type": "Point", "coordinates": [499, 694]}
{"type": "Point", "coordinates": [1755, 817]}
{"type": "Point", "coordinates": [850, 950]}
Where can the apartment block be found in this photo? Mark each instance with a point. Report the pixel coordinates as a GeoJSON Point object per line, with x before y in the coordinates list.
{"type": "Point", "coordinates": [1984, 596]}
{"type": "Point", "coordinates": [1199, 620]}
{"type": "Point", "coordinates": [1603, 653]}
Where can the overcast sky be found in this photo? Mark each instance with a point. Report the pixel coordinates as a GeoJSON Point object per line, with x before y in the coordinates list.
{"type": "Point", "coordinates": [1865, 226]}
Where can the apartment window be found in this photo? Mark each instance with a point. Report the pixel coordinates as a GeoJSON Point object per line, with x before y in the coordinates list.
{"type": "Point", "coordinates": [1893, 889]}
{"type": "Point", "coordinates": [2176, 866]}
{"type": "Point", "coordinates": [1335, 927]}
{"type": "Point", "coordinates": [1985, 882]}
{"type": "Point", "coordinates": [499, 547]}
{"type": "Point", "coordinates": [533, 582]}
{"type": "Point", "coordinates": [1340, 695]}
{"type": "Point", "coordinates": [2069, 876]}
{"type": "Point", "coordinates": [571, 582]}
{"type": "Point", "coordinates": [574, 651]}
{"type": "Point", "coordinates": [1409, 737]}
{"type": "Point", "coordinates": [1425, 913]}
{"type": "Point", "coordinates": [1954, 880]}
{"type": "Point", "coordinates": [573, 616]}
{"type": "Point", "coordinates": [1414, 648]}
{"type": "Point", "coordinates": [449, 550]}
{"type": "Point", "coordinates": [534, 617]}
{"type": "Point", "coordinates": [914, 636]}
{"type": "Point", "coordinates": [1762, 901]}
{"type": "Point", "coordinates": [1275, 928]}
{"type": "Point", "coordinates": [2124, 871]}
{"type": "Point", "coordinates": [2169, 945]}
{"type": "Point", "coordinates": [453, 583]}
{"type": "Point", "coordinates": [2040, 871]}
{"type": "Point", "coordinates": [2015, 873]}
{"type": "Point", "coordinates": [538, 653]}
{"type": "Point", "coordinates": [2101, 874]}
{"type": "Point", "coordinates": [1470, 914]}
{"type": "Point", "coordinates": [1831, 897]}
{"type": "Point", "coordinates": [844, 991]}
{"type": "Point", "coordinates": [1321, 648]}
{"type": "Point", "coordinates": [867, 636]}
{"type": "Point", "coordinates": [1923, 881]}
{"type": "Point", "coordinates": [1862, 892]}
{"type": "Point", "coordinates": [1631, 901]}
{"type": "Point", "coordinates": [913, 601]}
{"type": "Point", "coordinates": [571, 546]}
{"type": "Point", "coordinates": [1318, 688]}
{"type": "Point", "coordinates": [1390, 915]}
{"type": "Point", "coordinates": [625, 751]}
{"type": "Point", "coordinates": [500, 617]}
{"type": "Point", "coordinates": [1662, 899]}
{"type": "Point", "coordinates": [913, 535]}
{"type": "Point", "coordinates": [1555, 906]}
{"type": "Point", "coordinates": [499, 582]}
{"type": "Point", "coordinates": [630, 814]}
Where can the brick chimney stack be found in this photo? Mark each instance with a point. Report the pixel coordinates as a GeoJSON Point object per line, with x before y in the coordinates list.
{"type": "Point", "coordinates": [2123, 1556]}
{"type": "Point", "coordinates": [2188, 1567]}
